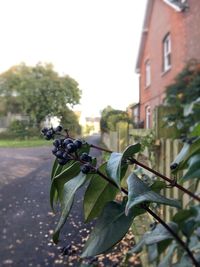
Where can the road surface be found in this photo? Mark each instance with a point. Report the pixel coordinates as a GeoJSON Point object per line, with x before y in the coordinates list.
{"type": "Point", "coordinates": [27, 222]}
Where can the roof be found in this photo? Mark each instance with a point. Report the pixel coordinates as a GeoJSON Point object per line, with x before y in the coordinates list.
{"type": "Point", "coordinates": [177, 5]}
{"type": "Point", "coordinates": [148, 11]}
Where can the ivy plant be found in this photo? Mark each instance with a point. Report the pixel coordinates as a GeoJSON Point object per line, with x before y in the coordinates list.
{"type": "Point", "coordinates": [74, 167]}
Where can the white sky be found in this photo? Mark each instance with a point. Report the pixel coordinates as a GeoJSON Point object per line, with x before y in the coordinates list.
{"type": "Point", "coordinates": [94, 41]}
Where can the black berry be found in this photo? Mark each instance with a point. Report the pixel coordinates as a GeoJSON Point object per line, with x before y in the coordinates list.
{"type": "Point", "coordinates": [58, 128]}
{"type": "Point", "coordinates": [54, 150]}
{"type": "Point", "coordinates": [85, 157]}
{"type": "Point", "coordinates": [71, 148]}
{"type": "Point", "coordinates": [44, 130]}
{"type": "Point", "coordinates": [57, 142]}
{"type": "Point", "coordinates": [59, 154]}
{"type": "Point", "coordinates": [85, 168]}
{"type": "Point", "coordinates": [173, 166]}
{"type": "Point", "coordinates": [65, 156]}
{"type": "Point", "coordinates": [78, 143]}
{"type": "Point", "coordinates": [67, 141]}
{"type": "Point", "coordinates": [48, 136]}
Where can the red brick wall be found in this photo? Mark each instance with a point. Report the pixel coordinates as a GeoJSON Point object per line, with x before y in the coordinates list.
{"type": "Point", "coordinates": [182, 26]}
{"type": "Point", "coordinates": [192, 25]}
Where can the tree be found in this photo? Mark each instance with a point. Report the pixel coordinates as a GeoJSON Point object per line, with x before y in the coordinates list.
{"type": "Point", "coordinates": [69, 118]}
{"type": "Point", "coordinates": [110, 117]}
{"type": "Point", "coordinates": [184, 96]}
{"type": "Point", "coordinates": [38, 91]}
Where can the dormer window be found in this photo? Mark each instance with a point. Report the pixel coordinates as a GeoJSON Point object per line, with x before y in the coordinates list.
{"type": "Point", "coordinates": [147, 73]}
{"type": "Point", "coordinates": [167, 53]}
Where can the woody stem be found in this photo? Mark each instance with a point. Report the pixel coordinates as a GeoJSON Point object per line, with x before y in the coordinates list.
{"type": "Point", "coordinates": [143, 206]}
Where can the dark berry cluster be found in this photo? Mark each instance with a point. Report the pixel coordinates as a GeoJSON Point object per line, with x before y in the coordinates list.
{"type": "Point", "coordinates": [87, 159]}
{"type": "Point", "coordinates": [64, 148]}
{"type": "Point", "coordinates": [49, 133]}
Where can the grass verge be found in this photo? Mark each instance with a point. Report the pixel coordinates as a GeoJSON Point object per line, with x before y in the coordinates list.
{"type": "Point", "coordinates": [24, 143]}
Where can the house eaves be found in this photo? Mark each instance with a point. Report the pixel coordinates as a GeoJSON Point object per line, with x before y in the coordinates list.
{"type": "Point", "coordinates": [177, 5]}
{"type": "Point", "coordinates": [144, 33]}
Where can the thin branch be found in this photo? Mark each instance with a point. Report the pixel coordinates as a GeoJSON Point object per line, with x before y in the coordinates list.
{"type": "Point", "coordinates": [101, 148]}
{"type": "Point", "coordinates": [143, 206]}
{"type": "Point", "coordinates": [174, 234]}
{"type": "Point", "coordinates": [183, 244]}
{"type": "Point", "coordinates": [172, 182]}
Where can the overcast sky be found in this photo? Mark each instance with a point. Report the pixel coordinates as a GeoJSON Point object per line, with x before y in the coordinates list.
{"type": "Point", "coordinates": [94, 41]}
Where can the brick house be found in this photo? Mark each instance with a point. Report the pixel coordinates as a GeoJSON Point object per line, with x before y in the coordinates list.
{"type": "Point", "coordinates": [170, 37]}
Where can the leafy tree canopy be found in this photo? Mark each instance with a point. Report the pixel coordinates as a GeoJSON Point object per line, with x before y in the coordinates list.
{"type": "Point", "coordinates": [110, 117]}
{"type": "Point", "coordinates": [184, 96]}
{"type": "Point", "coordinates": [37, 91]}
{"type": "Point", "coordinates": [69, 118]}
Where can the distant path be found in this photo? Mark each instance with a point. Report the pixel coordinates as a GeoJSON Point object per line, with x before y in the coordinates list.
{"type": "Point", "coordinates": [26, 221]}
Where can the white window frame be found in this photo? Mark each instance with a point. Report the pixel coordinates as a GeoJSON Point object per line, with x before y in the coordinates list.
{"type": "Point", "coordinates": [147, 73]}
{"type": "Point", "coordinates": [147, 117]}
{"type": "Point", "coordinates": [167, 52]}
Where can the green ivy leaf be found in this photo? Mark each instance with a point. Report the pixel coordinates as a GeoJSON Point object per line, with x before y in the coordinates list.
{"type": "Point", "coordinates": [188, 220]}
{"type": "Point", "coordinates": [185, 261]}
{"type": "Point", "coordinates": [157, 186]}
{"type": "Point", "coordinates": [97, 194]}
{"type": "Point", "coordinates": [196, 130]}
{"type": "Point", "coordinates": [70, 189]}
{"type": "Point", "coordinates": [116, 166]}
{"type": "Point", "coordinates": [110, 228]}
{"type": "Point", "coordinates": [71, 170]}
{"type": "Point", "coordinates": [152, 252]}
{"type": "Point", "coordinates": [186, 152]}
{"type": "Point", "coordinates": [188, 227]}
{"type": "Point", "coordinates": [194, 244]}
{"type": "Point", "coordinates": [58, 169]}
{"type": "Point", "coordinates": [193, 168]}
{"type": "Point", "coordinates": [61, 172]}
{"type": "Point", "coordinates": [139, 192]}
{"type": "Point", "coordinates": [131, 150]}
{"type": "Point", "coordinates": [182, 215]}
{"type": "Point", "coordinates": [160, 233]}
{"type": "Point", "coordinates": [166, 262]}
{"type": "Point", "coordinates": [54, 168]}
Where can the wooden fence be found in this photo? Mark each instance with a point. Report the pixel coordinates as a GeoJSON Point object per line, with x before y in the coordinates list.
{"type": "Point", "coordinates": [164, 151]}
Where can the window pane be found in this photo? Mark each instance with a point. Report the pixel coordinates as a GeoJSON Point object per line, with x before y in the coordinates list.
{"type": "Point", "coordinates": [166, 53]}
{"type": "Point", "coordinates": [147, 73]}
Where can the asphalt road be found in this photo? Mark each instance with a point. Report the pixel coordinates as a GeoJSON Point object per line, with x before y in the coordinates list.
{"type": "Point", "coordinates": [27, 222]}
